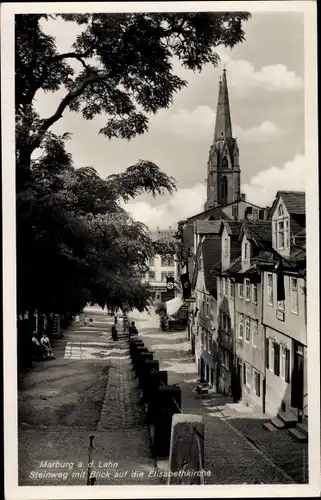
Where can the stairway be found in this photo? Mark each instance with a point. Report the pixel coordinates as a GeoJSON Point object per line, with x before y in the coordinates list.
{"type": "Point", "coordinates": [300, 432]}
{"type": "Point", "coordinates": [284, 420]}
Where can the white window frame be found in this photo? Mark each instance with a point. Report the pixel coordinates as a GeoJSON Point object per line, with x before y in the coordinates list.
{"type": "Point", "coordinates": [207, 306]}
{"type": "Point", "coordinates": [254, 332]}
{"type": "Point", "coordinates": [294, 292]}
{"type": "Point", "coordinates": [254, 287]}
{"type": "Point", "coordinates": [152, 278]}
{"type": "Point", "coordinates": [280, 223]}
{"type": "Point", "coordinates": [249, 376]}
{"type": "Point", "coordinates": [245, 251]}
{"type": "Point", "coordinates": [247, 289]}
{"type": "Point", "coordinates": [286, 233]}
{"type": "Point", "coordinates": [164, 275]}
{"type": "Point", "coordinates": [209, 342]}
{"type": "Point", "coordinates": [226, 287]}
{"type": "Point", "coordinates": [247, 330]}
{"type": "Point", "coordinates": [282, 361]}
{"type": "Point", "coordinates": [241, 325]}
{"type": "Point", "coordinates": [225, 247]}
{"type": "Point", "coordinates": [240, 290]}
{"type": "Point", "coordinates": [271, 355]}
{"type": "Point", "coordinates": [254, 373]}
{"type": "Point", "coordinates": [270, 290]}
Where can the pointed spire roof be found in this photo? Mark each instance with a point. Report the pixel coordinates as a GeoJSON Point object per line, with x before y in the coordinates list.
{"type": "Point", "coordinates": [223, 125]}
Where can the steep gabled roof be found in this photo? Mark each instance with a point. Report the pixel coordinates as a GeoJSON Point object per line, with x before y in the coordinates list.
{"type": "Point", "coordinates": [215, 213]}
{"type": "Point", "coordinates": [293, 200]}
{"type": "Point", "coordinates": [211, 251]}
{"type": "Point", "coordinates": [208, 226]}
{"type": "Point", "coordinates": [259, 232]}
{"type": "Point", "coordinates": [233, 227]}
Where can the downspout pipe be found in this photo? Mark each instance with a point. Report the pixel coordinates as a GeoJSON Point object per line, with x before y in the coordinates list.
{"type": "Point", "coordinates": [264, 343]}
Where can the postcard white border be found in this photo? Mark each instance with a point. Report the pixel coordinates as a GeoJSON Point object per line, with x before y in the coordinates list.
{"type": "Point", "coordinates": [13, 491]}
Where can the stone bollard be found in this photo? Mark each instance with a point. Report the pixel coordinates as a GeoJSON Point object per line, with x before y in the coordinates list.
{"type": "Point", "coordinates": [137, 358]}
{"type": "Point", "coordinates": [187, 449]}
{"type": "Point", "coordinates": [169, 404]}
{"type": "Point", "coordinates": [137, 350]}
{"type": "Point", "coordinates": [144, 356]}
{"type": "Point", "coordinates": [157, 379]}
{"type": "Point", "coordinates": [133, 344]}
{"type": "Point", "coordinates": [150, 366]}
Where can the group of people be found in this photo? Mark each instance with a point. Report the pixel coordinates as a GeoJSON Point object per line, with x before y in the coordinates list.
{"type": "Point", "coordinates": [130, 329]}
{"type": "Point", "coordinates": [77, 319]}
{"type": "Point", "coordinates": [42, 348]}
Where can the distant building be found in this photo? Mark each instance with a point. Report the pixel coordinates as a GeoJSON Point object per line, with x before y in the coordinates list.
{"type": "Point", "coordinates": [161, 267]}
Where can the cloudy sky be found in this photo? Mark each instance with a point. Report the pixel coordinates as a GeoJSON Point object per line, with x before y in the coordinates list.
{"type": "Point", "coordinates": [266, 86]}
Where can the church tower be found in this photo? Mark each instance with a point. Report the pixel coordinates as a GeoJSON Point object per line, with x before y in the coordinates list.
{"type": "Point", "coordinates": [223, 168]}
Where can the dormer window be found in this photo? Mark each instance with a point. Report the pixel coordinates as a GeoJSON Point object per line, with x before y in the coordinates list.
{"type": "Point", "coordinates": [225, 247]}
{"type": "Point", "coordinates": [281, 234]}
{"type": "Point", "coordinates": [280, 229]}
{"type": "Point", "coordinates": [246, 251]}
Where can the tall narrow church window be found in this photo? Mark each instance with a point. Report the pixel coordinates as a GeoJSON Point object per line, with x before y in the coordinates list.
{"type": "Point", "coordinates": [223, 190]}
{"type": "Point", "coordinates": [224, 162]}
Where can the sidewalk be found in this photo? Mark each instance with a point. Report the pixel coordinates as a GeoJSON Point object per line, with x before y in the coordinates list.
{"type": "Point", "coordinates": [237, 448]}
{"type": "Point", "coordinates": [89, 389]}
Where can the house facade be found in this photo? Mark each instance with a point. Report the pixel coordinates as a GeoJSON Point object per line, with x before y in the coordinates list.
{"type": "Point", "coordinates": [285, 320]}
{"type": "Point", "coordinates": [161, 267]}
{"type": "Point", "coordinates": [204, 315]}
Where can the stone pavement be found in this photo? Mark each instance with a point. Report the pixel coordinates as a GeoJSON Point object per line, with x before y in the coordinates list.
{"type": "Point", "coordinates": [89, 389]}
{"type": "Point", "coordinates": [237, 448]}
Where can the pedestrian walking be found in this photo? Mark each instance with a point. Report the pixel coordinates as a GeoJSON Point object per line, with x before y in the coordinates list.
{"type": "Point", "coordinates": [126, 325]}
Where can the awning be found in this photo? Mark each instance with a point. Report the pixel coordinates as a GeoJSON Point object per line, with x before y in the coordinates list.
{"type": "Point", "coordinates": [174, 305]}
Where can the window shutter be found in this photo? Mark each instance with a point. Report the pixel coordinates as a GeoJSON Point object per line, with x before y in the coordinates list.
{"type": "Point", "coordinates": [287, 365]}
{"type": "Point", "coordinates": [276, 359]}
{"type": "Point", "coordinates": [267, 353]}
{"type": "Point", "coordinates": [244, 373]}
{"type": "Point", "coordinates": [258, 385]}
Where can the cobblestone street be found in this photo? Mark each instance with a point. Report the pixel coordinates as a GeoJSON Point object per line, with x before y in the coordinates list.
{"type": "Point", "coordinates": [237, 449]}
{"type": "Point", "coordinates": [91, 388]}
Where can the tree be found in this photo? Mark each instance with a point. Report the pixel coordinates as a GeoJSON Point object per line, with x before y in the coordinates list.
{"type": "Point", "coordinates": [126, 63]}
{"type": "Point", "coordinates": [75, 243]}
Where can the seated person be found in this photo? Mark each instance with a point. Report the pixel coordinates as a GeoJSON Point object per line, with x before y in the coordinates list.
{"type": "Point", "coordinates": [37, 349]}
{"type": "Point", "coordinates": [132, 329]}
{"type": "Point", "coordinates": [45, 342]}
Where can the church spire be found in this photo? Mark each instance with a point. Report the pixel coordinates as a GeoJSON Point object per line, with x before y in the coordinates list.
{"type": "Point", "coordinates": [223, 125]}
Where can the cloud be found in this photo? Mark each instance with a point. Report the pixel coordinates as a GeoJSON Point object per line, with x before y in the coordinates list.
{"type": "Point", "coordinates": [262, 188]}
{"type": "Point", "coordinates": [243, 77]}
{"type": "Point", "coordinates": [198, 125]}
{"type": "Point", "coordinates": [266, 132]}
{"type": "Point", "coordinates": [184, 203]}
